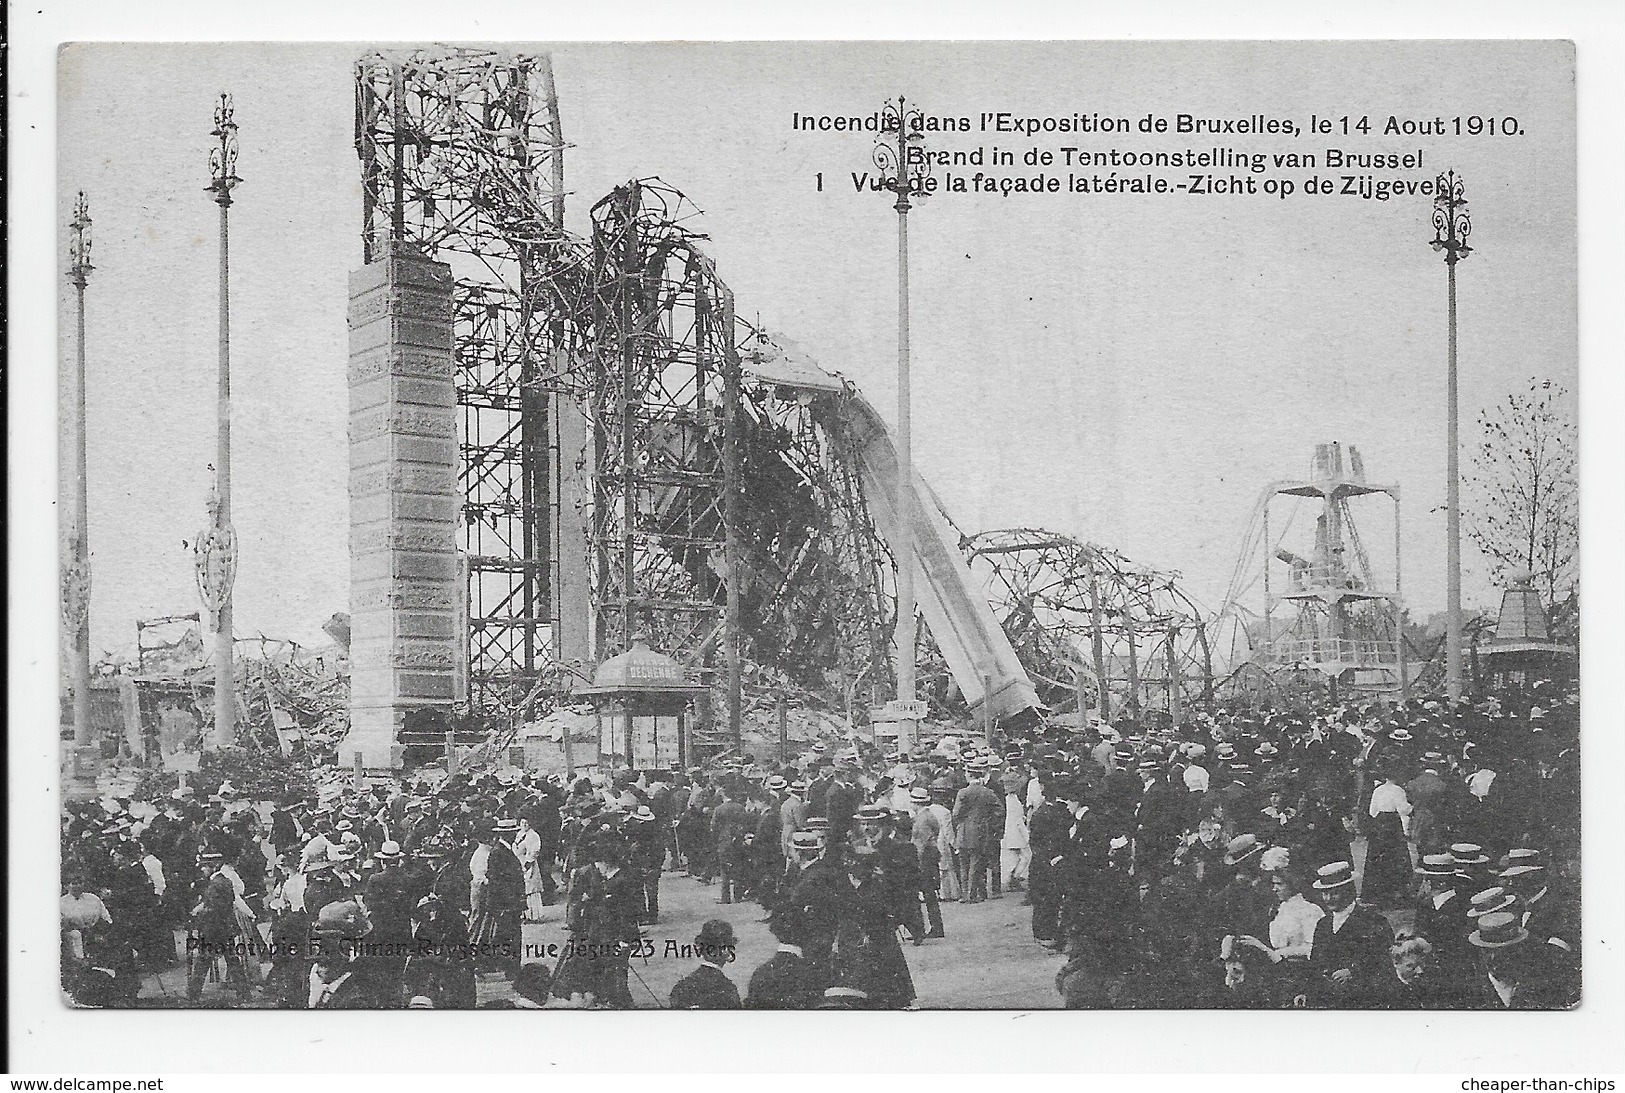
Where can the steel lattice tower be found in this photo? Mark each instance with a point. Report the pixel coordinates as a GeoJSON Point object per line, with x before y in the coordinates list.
{"type": "Point", "coordinates": [462, 155]}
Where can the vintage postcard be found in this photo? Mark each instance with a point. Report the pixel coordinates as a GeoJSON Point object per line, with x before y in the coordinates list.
{"type": "Point", "coordinates": [809, 526]}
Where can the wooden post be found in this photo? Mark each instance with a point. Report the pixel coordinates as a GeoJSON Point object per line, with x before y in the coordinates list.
{"type": "Point", "coordinates": [987, 708]}
{"type": "Point", "coordinates": [784, 729]}
{"type": "Point", "coordinates": [1097, 642]}
{"type": "Point", "coordinates": [451, 753]}
{"type": "Point", "coordinates": [1173, 675]}
{"type": "Point", "coordinates": [569, 752]}
{"type": "Point", "coordinates": [1399, 608]}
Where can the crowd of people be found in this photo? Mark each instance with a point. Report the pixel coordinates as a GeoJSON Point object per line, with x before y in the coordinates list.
{"type": "Point", "coordinates": [1412, 855]}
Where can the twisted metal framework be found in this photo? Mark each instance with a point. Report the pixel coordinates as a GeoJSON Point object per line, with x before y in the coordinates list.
{"type": "Point", "coordinates": [818, 582]}
{"type": "Point", "coordinates": [665, 365]}
{"type": "Point", "coordinates": [462, 156]}
{"type": "Point", "coordinates": [1088, 623]}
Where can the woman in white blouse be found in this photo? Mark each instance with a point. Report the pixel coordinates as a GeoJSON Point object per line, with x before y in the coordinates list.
{"type": "Point", "coordinates": [1387, 879]}
{"type": "Point", "coordinates": [1292, 930]}
{"type": "Point", "coordinates": [527, 847]}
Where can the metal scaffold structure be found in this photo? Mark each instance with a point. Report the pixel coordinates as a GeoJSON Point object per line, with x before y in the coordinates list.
{"type": "Point", "coordinates": [462, 157]}
{"type": "Point", "coordinates": [1326, 617]}
{"type": "Point", "coordinates": [597, 379]}
{"type": "Point", "coordinates": [1095, 631]}
{"type": "Point", "coordinates": [665, 375]}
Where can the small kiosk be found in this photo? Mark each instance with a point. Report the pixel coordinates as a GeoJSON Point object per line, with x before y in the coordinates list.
{"type": "Point", "coordinates": [641, 700]}
{"type": "Point", "coordinates": [1521, 650]}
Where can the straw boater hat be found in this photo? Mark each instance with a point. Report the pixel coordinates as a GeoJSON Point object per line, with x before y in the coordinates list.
{"type": "Point", "coordinates": [390, 851]}
{"type": "Point", "coordinates": [644, 814]}
{"type": "Point", "coordinates": [1497, 930]}
{"type": "Point", "coordinates": [777, 783]}
{"type": "Point", "coordinates": [1468, 854]}
{"type": "Point", "coordinates": [805, 840]}
{"type": "Point", "coordinates": [920, 795]}
{"type": "Point", "coordinates": [1437, 865]}
{"type": "Point", "coordinates": [1335, 875]}
{"type": "Point", "coordinates": [1243, 849]}
{"type": "Point", "coordinates": [1524, 858]}
{"type": "Point", "coordinates": [872, 813]}
{"type": "Point", "coordinates": [1489, 901]}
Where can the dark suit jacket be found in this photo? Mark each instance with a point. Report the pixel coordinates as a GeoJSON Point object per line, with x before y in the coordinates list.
{"type": "Point", "coordinates": [785, 982]}
{"type": "Point", "coordinates": [505, 880]}
{"type": "Point", "coordinates": [1046, 836]}
{"type": "Point", "coordinates": [1360, 946]}
{"type": "Point", "coordinates": [705, 988]}
{"type": "Point", "coordinates": [1119, 797]}
{"type": "Point", "coordinates": [728, 825]}
{"type": "Point", "coordinates": [840, 805]}
{"type": "Point", "coordinates": [975, 810]}
{"type": "Point", "coordinates": [1158, 820]}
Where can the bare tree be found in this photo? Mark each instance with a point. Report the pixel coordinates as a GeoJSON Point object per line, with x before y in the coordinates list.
{"type": "Point", "coordinates": [1523, 511]}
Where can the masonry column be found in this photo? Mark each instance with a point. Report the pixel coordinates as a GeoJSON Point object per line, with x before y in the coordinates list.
{"type": "Point", "coordinates": [403, 500]}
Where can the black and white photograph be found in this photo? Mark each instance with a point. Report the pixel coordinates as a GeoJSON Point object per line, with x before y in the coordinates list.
{"type": "Point", "coordinates": [899, 526]}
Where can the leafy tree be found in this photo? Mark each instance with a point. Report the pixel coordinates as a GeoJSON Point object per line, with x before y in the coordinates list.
{"type": "Point", "coordinates": [1523, 506]}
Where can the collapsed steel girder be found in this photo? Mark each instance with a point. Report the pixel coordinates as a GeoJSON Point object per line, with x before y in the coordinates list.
{"type": "Point", "coordinates": [817, 582]}
{"type": "Point", "coordinates": [1084, 618]}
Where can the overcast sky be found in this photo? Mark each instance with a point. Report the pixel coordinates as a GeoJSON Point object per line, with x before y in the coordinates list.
{"type": "Point", "coordinates": [1128, 369]}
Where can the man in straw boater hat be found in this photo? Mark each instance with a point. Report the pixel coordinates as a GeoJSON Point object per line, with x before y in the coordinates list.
{"type": "Point", "coordinates": [440, 967]}
{"type": "Point", "coordinates": [389, 908]}
{"type": "Point", "coordinates": [1350, 950]}
{"type": "Point", "coordinates": [1516, 972]}
{"type": "Point", "coordinates": [1244, 905]}
{"type": "Point", "coordinates": [976, 827]}
{"type": "Point", "coordinates": [496, 899]}
{"type": "Point", "coordinates": [1438, 918]}
{"type": "Point", "coordinates": [214, 936]}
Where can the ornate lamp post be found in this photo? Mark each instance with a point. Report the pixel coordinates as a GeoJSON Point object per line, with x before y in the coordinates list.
{"type": "Point", "coordinates": [904, 170]}
{"type": "Point", "coordinates": [215, 554]}
{"type": "Point", "coordinates": [1451, 226]}
{"type": "Point", "coordinates": [76, 567]}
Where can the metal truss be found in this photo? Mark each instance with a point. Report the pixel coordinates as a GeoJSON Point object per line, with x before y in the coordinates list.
{"type": "Point", "coordinates": [818, 583]}
{"type": "Point", "coordinates": [665, 370]}
{"type": "Point", "coordinates": [462, 156]}
{"type": "Point", "coordinates": [1088, 623]}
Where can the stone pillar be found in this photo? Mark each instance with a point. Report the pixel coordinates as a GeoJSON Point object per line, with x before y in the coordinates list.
{"type": "Point", "coordinates": [404, 500]}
